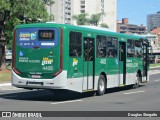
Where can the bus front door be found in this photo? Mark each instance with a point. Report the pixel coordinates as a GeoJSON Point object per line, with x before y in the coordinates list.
{"type": "Point", "coordinates": [122, 63]}
{"type": "Point", "coordinates": [88, 71]}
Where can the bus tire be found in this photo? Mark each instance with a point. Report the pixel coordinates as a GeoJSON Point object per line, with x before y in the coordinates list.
{"type": "Point", "coordinates": [101, 85]}
{"type": "Point", "coordinates": [137, 81]}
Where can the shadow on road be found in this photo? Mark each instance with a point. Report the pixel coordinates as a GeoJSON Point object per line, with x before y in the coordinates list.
{"type": "Point", "coordinates": [46, 95]}
{"type": "Point", "coordinates": [113, 90]}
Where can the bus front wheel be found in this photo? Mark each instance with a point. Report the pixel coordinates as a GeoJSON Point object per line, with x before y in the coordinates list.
{"type": "Point", "coordinates": [101, 85]}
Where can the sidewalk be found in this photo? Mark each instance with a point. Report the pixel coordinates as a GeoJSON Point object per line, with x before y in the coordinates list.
{"type": "Point", "coordinates": [5, 77]}
{"type": "Point", "coordinates": [5, 84]}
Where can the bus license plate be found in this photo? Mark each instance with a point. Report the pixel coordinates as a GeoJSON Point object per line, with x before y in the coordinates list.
{"type": "Point", "coordinates": [36, 76]}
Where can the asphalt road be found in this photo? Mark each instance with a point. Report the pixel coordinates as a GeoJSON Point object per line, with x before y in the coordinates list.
{"type": "Point", "coordinates": [144, 98]}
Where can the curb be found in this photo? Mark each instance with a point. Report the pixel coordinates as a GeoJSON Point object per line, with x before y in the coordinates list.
{"type": "Point", "coordinates": [5, 84]}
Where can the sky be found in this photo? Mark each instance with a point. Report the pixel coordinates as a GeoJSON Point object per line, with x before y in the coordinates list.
{"type": "Point", "coordinates": [137, 10]}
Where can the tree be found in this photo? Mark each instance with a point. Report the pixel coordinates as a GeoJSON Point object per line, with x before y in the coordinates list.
{"type": "Point", "coordinates": [104, 25]}
{"type": "Point", "coordinates": [95, 18]}
{"type": "Point", "coordinates": [19, 12]}
{"type": "Point", "coordinates": [50, 3]}
{"type": "Point", "coordinates": [81, 19]}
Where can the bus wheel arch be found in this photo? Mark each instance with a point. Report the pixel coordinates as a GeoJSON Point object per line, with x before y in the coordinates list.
{"type": "Point", "coordinates": [102, 83]}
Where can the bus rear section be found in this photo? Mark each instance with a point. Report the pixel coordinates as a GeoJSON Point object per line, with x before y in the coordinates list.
{"type": "Point", "coordinates": [37, 58]}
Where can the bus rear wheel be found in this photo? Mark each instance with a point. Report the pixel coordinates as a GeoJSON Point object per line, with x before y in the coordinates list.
{"type": "Point", "coordinates": [101, 85]}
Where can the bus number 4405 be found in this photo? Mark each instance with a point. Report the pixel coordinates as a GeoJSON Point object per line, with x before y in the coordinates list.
{"type": "Point", "coordinates": [48, 68]}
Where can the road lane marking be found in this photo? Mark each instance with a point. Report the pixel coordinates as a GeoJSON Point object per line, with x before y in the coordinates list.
{"type": "Point", "coordinates": [67, 102]}
{"type": "Point", "coordinates": [133, 92]}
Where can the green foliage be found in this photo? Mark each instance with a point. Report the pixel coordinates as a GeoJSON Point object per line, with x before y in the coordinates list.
{"type": "Point", "coordinates": [104, 25]}
{"type": "Point", "coordinates": [81, 19]}
{"type": "Point", "coordinates": [95, 18]}
{"type": "Point", "coordinates": [29, 8]}
{"type": "Point", "coordinates": [48, 2]}
{"type": "Point", "coordinates": [8, 30]}
{"type": "Point", "coordinates": [4, 5]}
{"type": "Point", "coordinates": [22, 12]}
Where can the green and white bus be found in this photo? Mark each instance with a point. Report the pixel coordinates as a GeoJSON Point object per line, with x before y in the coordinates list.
{"type": "Point", "coordinates": [77, 58]}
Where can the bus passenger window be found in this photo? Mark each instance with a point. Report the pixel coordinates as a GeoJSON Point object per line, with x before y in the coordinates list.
{"type": "Point", "coordinates": [138, 49]}
{"type": "Point", "coordinates": [130, 48]}
{"type": "Point", "coordinates": [121, 53]}
{"type": "Point", "coordinates": [101, 46]}
{"type": "Point", "coordinates": [75, 44]}
{"type": "Point", "coordinates": [111, 47]}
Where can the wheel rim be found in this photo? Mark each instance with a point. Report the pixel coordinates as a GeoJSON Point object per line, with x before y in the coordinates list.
{"type": "Point", "coordinates": [101, 85]}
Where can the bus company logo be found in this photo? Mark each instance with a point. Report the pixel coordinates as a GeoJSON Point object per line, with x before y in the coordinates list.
{"type": "Point", "coordinates": [24, 36]}
{"type": "Point", "coordinates": [132, 65]}
{"type": "Point", "coordinates": [47, 61]}
{"type": "Point", "coordinates": [33, 36]}
{"type": "Point", "coordinates": [75, 62]}
{"type": "Point", "coordinates": [103, 61]}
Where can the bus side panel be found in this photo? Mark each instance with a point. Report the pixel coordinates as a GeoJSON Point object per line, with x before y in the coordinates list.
{"type": "Point", "coordinates": [112, 72]}
{"type": "Point", "coordinates": [133, 65]}
{"type": "Point", "coordinates": [108, 66]}
{"type": "Point", "coordinates": [131, 70]}
{"type": "Point", "coordinates": [100, 66]}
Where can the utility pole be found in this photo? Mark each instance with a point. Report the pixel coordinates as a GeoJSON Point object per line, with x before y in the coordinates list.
{"type": "Point", "coordinates": [102, 9]}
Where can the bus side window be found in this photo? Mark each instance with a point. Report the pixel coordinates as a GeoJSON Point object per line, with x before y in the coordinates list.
{"type": "Point", "coordinates": [121, 53]}
{"type": "Point", "coordinates": [111, 47]}
{"type": "Point", "coordinates": [75, 44]}
{"type": "Point", "coordinates": [130, 48]}
{"type": "Point", "coordinates": [101, 46]}
{"type": "Point", "coordinates": [138, 49]}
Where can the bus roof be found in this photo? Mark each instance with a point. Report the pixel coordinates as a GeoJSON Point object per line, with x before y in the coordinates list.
{"type": "Point", "coordinates": [85, 28]}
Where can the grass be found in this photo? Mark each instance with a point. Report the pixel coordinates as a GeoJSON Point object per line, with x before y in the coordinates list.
{"type": "Point", "coordinates": [9, 67]}
{"type": "Point", "coordinates": [5, 76]}
{"type": "Point", "coordinates": [155, 65]}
